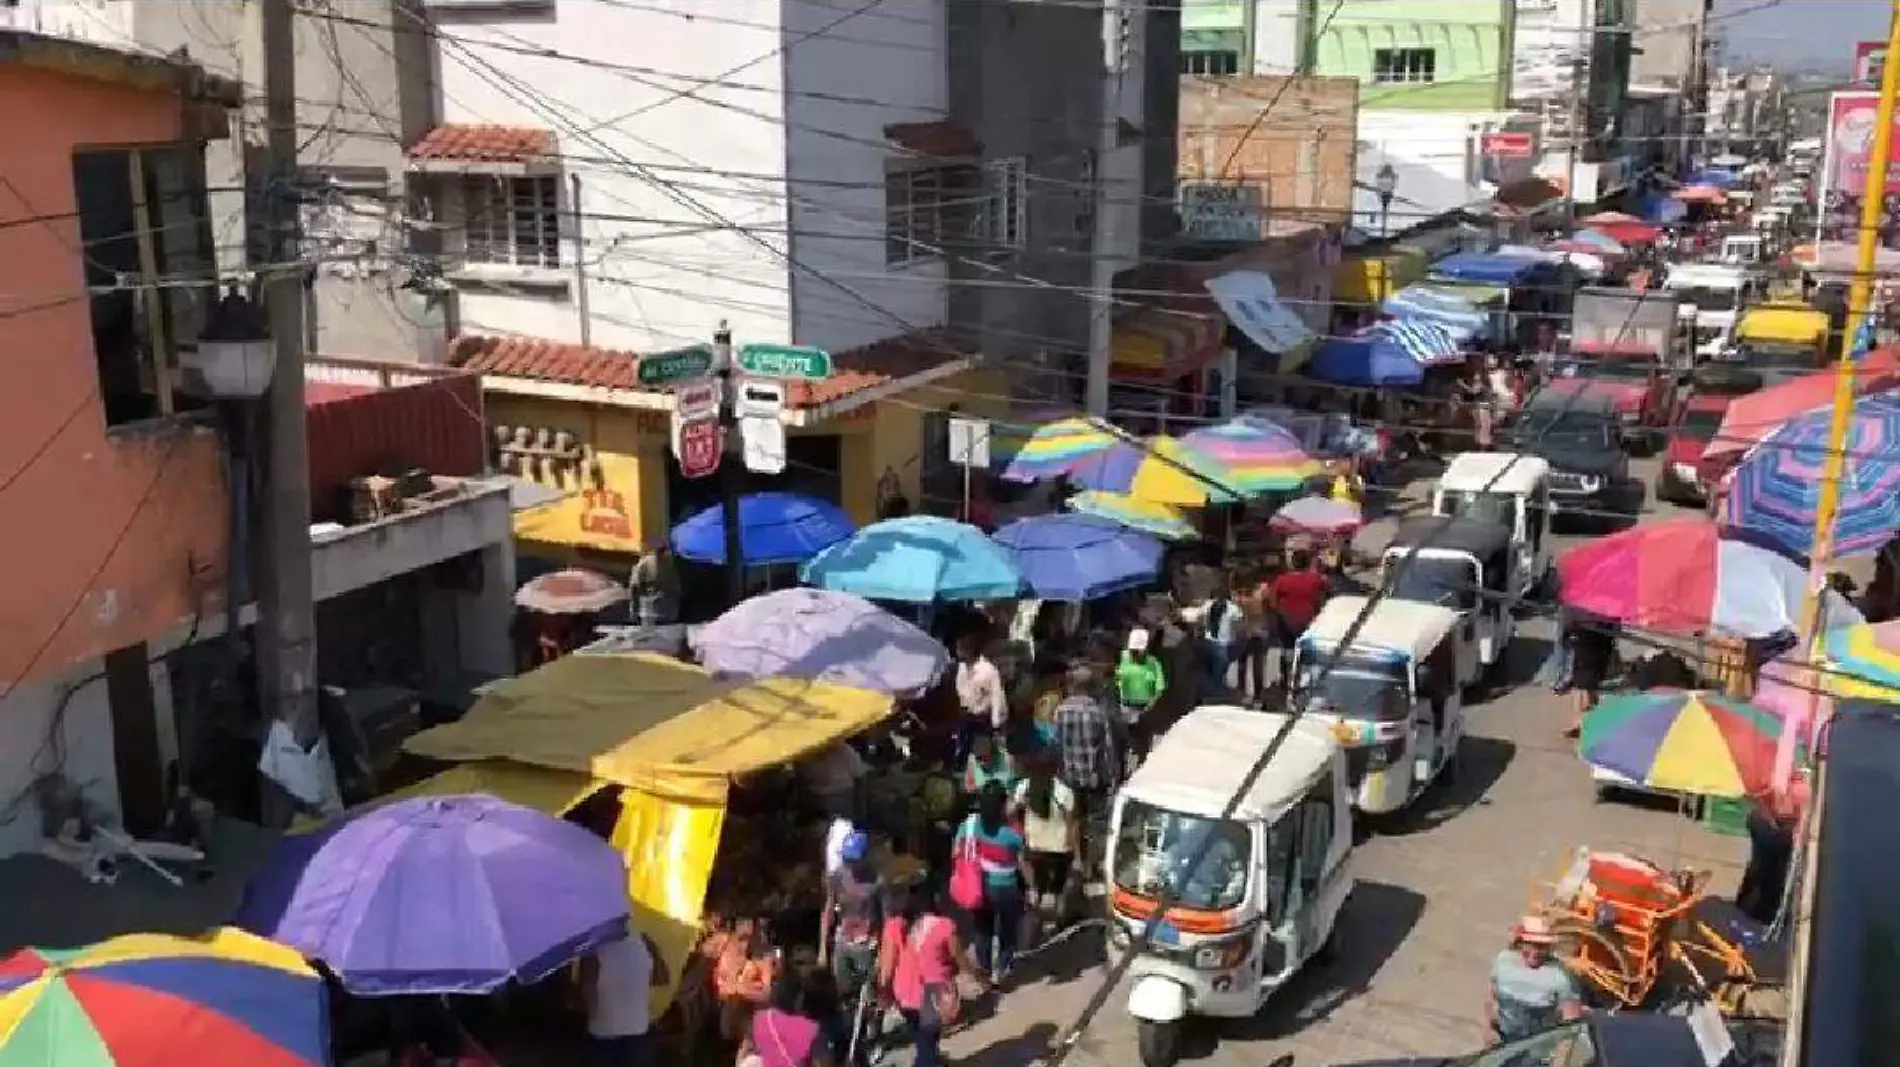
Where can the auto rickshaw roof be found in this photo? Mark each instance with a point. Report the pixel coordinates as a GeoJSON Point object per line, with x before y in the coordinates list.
{"type": "Point", "coordinates": [1198, 766]}
{"type": "Point", "coordinates": [1494, 472]}
{"type": "Point", "coordinates": [1396, 627]}
{"type": "Point", "coordinates": [1453, 533]}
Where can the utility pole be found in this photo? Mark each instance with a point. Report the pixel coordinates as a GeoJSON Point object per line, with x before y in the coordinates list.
{"type": "Point", "coordinates": [731, 464]}
{"type": "Point", "coordinates": [1579, 108]}
{"type": "Point", "coordinates": [1859, 302]}
{"type": "Point", "coordinates": [1107, 214]}
{"type": "Point", "coordinates": [286, 623]}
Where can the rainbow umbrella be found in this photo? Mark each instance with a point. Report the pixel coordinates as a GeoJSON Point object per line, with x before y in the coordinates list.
{"type": "Point", "coordinates": [1262, 457]}
{"type": "Point", "coordinates": [1056, 447]}
{"type": "Point", "coordinates": [1161, 520]}
{"type": "Point", "coordinates": [1160, 470]}
{"type": "Point", "coordinates": [226, 999]}
{"type": "Point", "coordinates": [1862, 661]}
{"type": "Point", "coordinates": [1684, 741]}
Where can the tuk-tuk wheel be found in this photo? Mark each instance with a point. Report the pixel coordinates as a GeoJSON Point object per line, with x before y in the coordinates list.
{"type": "Point", "coordinates": [1158, 1043]}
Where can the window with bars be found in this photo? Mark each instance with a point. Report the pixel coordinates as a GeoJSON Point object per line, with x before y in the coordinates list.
{"type": "Point", "coordinates": [926, 207]}
{"type": "Point", "coordinates": [512, 221]}
{"type": "Point", "coordinates": [1217, 63]}
{"type": "Point", "coordinates": [1404, 66]}
{"type": "Point", "coordinates": [1007, 213]}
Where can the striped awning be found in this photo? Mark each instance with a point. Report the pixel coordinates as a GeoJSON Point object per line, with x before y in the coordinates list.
{"type": "Point", "coordinates": [1423, 341]}
{"type": "Point", "coordinates": [1446, 310]}
{"type": "Point", "coordinates": [1160, 343]}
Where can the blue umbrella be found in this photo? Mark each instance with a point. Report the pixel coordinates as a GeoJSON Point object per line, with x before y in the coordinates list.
{"type": "Point", "coordinates": [1775, 491]}
{"type": "Point", "coordinates": [1080, 557]}
{"type": "Point", "coordinates": [773, 528]}
{"type": "Point", "coordinates": [1365, 359]}
{"type": "Point", "coordinates": [916, 559]}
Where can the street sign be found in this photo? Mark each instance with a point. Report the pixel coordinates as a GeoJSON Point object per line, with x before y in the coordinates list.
{"type": "Point", "coordinates": [785, 361]}
{"type": "Point", "coordinates": [697, 399]}
{"type": "Point", "coordinates": [700, 444]}
{"type": "Point", "coordinates": [970, 442]}
{"type": "Point", "coordinates": [1507, 145]}
{"type": "Point", "coordinates": [761, 430]}
{"type": "Point", "coordinates": [674, 366]}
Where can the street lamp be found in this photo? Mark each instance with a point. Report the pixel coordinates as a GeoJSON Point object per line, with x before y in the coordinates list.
{"type": "Point", "coordinates": [234, 359]}
{"type": "Point", "coordinates": [1385, 183]}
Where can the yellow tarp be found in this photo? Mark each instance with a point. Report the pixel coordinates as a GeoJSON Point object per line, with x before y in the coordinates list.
{"type": "Point", "coordinates": [669, 844]}
{"type": "Point", "coordinates": [1368, 278]}
{"type": "Point", "coordinates": [651, 723]}
{"type": "Point", "coordinates": [1782, 324]}
{"type": "Point", "coordinates": [1135, 349]}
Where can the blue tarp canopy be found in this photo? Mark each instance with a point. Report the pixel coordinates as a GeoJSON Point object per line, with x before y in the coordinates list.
{"type": "Point", "coordinates": [1721, 179]}
{"type": "Point", "coordinates": [1485, 268]}
{"type": "Point", "coordinates": [1366, 358]}
{"type": "Point", "coordinates": [1662, 209]}
{"type": "Point", "coordinates": [1446, 310]}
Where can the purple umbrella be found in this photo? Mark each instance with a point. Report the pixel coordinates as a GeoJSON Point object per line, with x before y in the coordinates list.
{"type": "Point", "coordinates": [822, 636]}
{"type": "Point", "coordinates": [458, 894]}
{"type": "Point", "coordinates": [1080, 557]}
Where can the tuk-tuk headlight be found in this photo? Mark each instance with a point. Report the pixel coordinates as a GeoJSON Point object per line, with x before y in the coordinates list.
{"type": "Point", "coordinates": [1225, 954]}
{"type": "Point", "coordinates": [1385, 755]}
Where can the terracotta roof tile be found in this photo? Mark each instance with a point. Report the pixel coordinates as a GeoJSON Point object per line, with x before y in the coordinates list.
{"type": "Point", "coordinates": [940, 139]}
{"type": "Point", "coordinates": [483, 144]}
{"type": "Point", "coordinates": [555, 362]}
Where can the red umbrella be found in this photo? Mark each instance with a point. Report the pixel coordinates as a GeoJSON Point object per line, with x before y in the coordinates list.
{"type": "Point", "coordinates": [1629, 233]}
{"type": "Point", "coordinates": [1751, 418]}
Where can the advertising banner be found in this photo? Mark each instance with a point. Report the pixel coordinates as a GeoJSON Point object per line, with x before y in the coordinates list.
{"type": "Point", "coordinates": [1843, 180]}
{"type": "Point", "coordinates": [1869, 59]}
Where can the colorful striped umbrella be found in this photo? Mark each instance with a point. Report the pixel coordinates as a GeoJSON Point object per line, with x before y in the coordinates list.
{"type": "Point", "coordinates": [1596, 241]}
{"type": "Point", "coordinates": [1160, 470]}
{"type": "Point", "coordinates": [1161, 520]}
{"type": "Point", "coordinates": [1776, 490]}
{"type": "Point", "coordinates": [226, 999]}
{"type": "Point", "coordinates": [1684, 741]}
{"type": "Point", "coordinates": [1863, 661]}
{"type": "Point", "coordinates": [1056, 447]}
{"type": "Point", "coordinates": [1263, 458]}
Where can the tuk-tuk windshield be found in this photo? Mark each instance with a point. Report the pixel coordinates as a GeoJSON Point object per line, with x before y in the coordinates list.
{"type": "Point", "coordinates": [1154, 846]}
{"type": "Point", "coordinates": [1500, 508]}
{"type": "Point", "coordinates": [1356, 688]}
{"type": "Point", "coordinates": [1447, 582]}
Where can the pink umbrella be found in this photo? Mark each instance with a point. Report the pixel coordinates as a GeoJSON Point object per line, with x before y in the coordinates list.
{"type": "Point", "coordinates": [1318, 515]}
{"type": "Point", "coordinates": [570, 592]}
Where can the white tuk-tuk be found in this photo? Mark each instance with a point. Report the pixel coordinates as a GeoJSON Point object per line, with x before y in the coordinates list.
{"type": "Point", "coordinates": [1392, 697]}
{"type": "Point", "coordinates": [1264, 899]}
{"type": "Point", "coordinates": [1466, 565]}
{"type": "Point", "coordinates": [1511, 490]}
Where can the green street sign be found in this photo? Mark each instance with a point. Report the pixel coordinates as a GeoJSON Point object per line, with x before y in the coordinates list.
{"type": "Point", "coordinates": [676, 365]}
{"type": "Point", "coordinates": [785, 361]}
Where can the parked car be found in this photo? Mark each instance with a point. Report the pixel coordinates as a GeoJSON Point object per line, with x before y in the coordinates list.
{"type": "Point", "coordinates": [1685, 478]}
{"type": "Point", "coordinates": [1580, 438]}
{"type": "Point", "coordinates": [1638, 388]}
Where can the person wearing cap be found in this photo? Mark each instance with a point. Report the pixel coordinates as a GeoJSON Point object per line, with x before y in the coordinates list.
{"type": "Point", "coordinates": [1139, 682]}
{"type": "Point", "coordinates": [1530, 991]}
{"type": "Point", "coordinates": [852, 917]}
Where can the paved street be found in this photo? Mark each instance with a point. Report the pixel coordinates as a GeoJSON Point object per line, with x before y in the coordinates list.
{"type": "Point", "coordinates": [1434, 900]}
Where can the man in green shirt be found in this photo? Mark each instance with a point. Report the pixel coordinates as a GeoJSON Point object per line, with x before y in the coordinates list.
{"type": "Point", "coordinates": [1139, 680]}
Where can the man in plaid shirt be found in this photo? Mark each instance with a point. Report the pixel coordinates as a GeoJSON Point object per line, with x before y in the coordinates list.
{"type": "Point", "coordinates": [1088, 751]}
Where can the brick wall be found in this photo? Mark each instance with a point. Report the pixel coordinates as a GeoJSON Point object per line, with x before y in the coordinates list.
{"type": "Point", "coordinates": [1301, 155]}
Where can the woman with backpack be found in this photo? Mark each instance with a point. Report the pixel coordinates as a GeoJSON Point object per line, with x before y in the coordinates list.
{"type": "Point", "coordinates": [919, 958]}
{"type": "Point", "coordinates": [999, 853]}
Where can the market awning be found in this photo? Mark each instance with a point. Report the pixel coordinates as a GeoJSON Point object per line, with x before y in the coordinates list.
{"type": "Point", "coordinates": [1162, 344]}
{"type": "Point", "coordinates": [651, 723]}
{"type": "Point", "coordinates": [1441, 306]}
{"type": "Point", "coordinates": [1250, 302]}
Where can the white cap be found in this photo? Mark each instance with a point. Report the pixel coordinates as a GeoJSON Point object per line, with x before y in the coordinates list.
{"type": "Point", "coordinates": [1137, 640]}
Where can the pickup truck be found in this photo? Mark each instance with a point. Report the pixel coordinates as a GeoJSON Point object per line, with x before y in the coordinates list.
{"type": "Point", "coordinates": [1623, 350]}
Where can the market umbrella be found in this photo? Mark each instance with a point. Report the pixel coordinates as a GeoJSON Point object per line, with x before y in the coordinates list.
{"type": "Point", "coordinates": [916, 559]}
{"type": "Point", "coordinates": [1318, 515]}
{"type": "Point", "coordinates": [1702, 744]}
{"type": "Point", "coordinates": [570, 592]}
{"type": "Point", "coordinates": [821, 636]}
{"type": "Point", "coordinates": [224, 999]}
{"type": "Point", "coordinates": [1055, 447]}
{"type": "Point", "coordinates": [1748, 419]}
{"type": "Point", "coordinates": [1162, 520]}
{"type": "Point", "coordinates": [1441, 307]}
{"type": "Point", "coordinates": [1628, 233]}
{"type": "Point", "coordinates": [1261, 457]}
{"type": "Point", "coordinates": [1596, 241]}
{"type": "Point", "coordinates": [1080, 557]}
{"type": "Point", "coordinates": [1701, 194]}
{"type": "Point", "coordinates": [773, 528]}
{"type": "Point", "coordinates": [1600, 250]}
{"type": "Point", "coordinates": [1162, 470]}
{"type": "Point", "coordinates": [1603, 217]}
{"type": "Point", "coordinates": [456, 894]}
{"type": "Point", "coordinates": [1776, 490]}
{"type": "Point", "coordinates": [1365, 358]}
{"type": "Point", "coordinates": [1863, 661]}
{"type": "Point", "coordinates": [1688, 576]}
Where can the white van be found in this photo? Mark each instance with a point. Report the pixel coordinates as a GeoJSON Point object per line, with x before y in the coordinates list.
{"type": "Point", "coordinates": [1711, 295]}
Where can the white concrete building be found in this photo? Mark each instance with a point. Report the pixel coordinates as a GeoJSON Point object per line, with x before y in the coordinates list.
{"type": "Point", "coordinates": [632, 204]}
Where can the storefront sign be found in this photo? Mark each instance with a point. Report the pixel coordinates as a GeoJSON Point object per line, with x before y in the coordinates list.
{"type": "Point", "coordinates": [1221, 212]}
{"type": "Point", "coordinates": [1843, 181]}
{"type": "Point", "coordinates": [1504, 145]}
{"type": "Point", "coordinates": [1250, 302]}
{"type": "Point", "coordinates": [1870, 59]}
{"type": "Point", "coordinates": [602, 514]}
